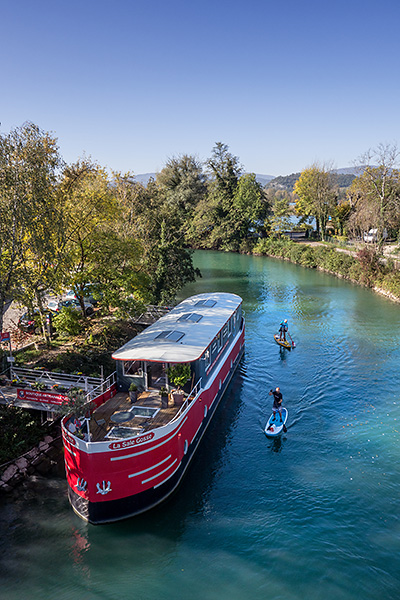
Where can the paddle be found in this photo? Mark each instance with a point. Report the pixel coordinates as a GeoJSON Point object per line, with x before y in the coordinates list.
{"type": "Point", "coordinates": [293, 344]}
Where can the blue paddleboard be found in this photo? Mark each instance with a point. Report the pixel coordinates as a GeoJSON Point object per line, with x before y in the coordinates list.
{"type": "Point", "coordinates": [274, 426]}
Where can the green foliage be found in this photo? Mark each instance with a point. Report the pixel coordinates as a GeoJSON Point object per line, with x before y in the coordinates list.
{"type": "Point", "coordinates": [369, 262]}
{"type": "Point", "coordinates": [69, 321]}
{"type": "Point", "coordinates": [317, 195]}
{"type": "Point", "coordinates": [29, 163]}
{"type": "Point", "coordinates": [77, 404]}
{"type": "Point", "coordinates": [179, 374]}
{"type": "Point", "coordinates": [20, 431]}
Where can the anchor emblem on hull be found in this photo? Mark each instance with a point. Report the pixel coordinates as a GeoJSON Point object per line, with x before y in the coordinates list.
{"type": "Point", "coordinates": [81, 485]}
{"type": "Point", "coordinates": [104, 488]}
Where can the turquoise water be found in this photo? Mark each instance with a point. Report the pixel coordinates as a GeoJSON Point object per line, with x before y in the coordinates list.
{"type": "Point", "coordinates": [313, 515]}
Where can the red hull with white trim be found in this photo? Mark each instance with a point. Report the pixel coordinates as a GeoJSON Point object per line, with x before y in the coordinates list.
{"type": "Point", "coordinates": [116, 479]}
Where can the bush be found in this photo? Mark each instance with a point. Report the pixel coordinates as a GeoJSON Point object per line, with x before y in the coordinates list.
{"type": "Point", "coordinates": [365, 268]}
{"type": "Point", "coordinates": [69, 321]}
{"type": "Point", "coordinates": [20, 429]}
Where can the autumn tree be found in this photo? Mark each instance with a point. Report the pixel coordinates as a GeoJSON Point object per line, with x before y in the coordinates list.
{"type": "Point", "coordinates": [31, 223]}
{"type": "Point", "coordinates": [316, 192]}
{"type": "Point", "coordinates": [375, 193]}
{"type": "Point", "coordinates": [100, 250]}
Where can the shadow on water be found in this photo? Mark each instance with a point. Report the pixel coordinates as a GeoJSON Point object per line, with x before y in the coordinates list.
{"type": "Point", "coordinates": [276, 444]}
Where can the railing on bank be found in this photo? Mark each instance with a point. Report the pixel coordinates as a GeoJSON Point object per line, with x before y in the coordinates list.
{"type": "Point", "coordinates": [51, 378]}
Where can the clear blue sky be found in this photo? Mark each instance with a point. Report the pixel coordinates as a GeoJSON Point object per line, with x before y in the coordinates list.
{"type": "Point", "coordinates": [133, 83]}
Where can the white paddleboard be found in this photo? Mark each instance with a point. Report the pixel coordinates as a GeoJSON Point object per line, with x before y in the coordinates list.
{"type": "Point", "coordinates": [274, 426]}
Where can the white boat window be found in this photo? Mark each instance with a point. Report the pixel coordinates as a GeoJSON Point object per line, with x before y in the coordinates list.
{"type": "Point", "coordinates": [194, 317]}
{"type": "Point", "coordinates": [171, 336]}
{"type": "Point", "coordinates": [209, 303]}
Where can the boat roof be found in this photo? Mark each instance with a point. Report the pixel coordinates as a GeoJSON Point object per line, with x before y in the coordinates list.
{"type": "Point", "coordinates": [184, 333]}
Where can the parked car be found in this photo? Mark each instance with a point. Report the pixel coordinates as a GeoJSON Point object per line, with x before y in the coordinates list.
{"type": "Point", "coordinates": [90, 295]}
{"type": "Point", "coordinates": [57, 305]}
{"type": "Point", "coordinates": [29, 322]}
{"type": "Point", "coordinates": [372, 235]}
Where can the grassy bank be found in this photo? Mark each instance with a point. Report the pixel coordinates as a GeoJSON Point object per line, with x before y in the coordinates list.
{"type": "Point", "coordinates": [365, 268]}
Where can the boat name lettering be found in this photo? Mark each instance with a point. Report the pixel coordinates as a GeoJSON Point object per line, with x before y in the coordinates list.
{"type": "Point", "coordinates": [70, 440]}
{"type": "Point", "coordinates": [129, 443]}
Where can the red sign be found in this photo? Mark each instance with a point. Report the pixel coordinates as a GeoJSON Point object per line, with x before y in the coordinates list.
{"type": "Point", "coordinates": [5, 336]}
{"type": "Point", "coordinates": [38, 396]}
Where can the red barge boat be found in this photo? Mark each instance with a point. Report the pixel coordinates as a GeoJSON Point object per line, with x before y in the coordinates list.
{"type": "Point", "coordinates": [128, 456]}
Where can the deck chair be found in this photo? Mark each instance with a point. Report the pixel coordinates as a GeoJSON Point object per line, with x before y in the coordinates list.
{"type": "Point", "coordinates": [101, 424]}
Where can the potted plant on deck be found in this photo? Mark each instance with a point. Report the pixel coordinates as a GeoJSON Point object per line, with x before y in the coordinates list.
{"type": "Point", "coordinates": [133, 392]}
{"type": "Point", "coordinates": [178, 375]}
{"type": "Point", "coordinates": [164, 397]}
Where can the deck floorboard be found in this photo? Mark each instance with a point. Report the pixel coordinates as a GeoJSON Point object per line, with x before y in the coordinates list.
{"type": "Point", "coordinates": [102, 422]}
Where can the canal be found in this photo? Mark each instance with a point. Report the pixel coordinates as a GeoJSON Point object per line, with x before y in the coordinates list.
{"type": "Point", "coordinates": [311, 516]}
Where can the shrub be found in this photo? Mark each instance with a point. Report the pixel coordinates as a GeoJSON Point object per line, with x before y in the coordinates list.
{"type": "Point", "coordinates": [20, 431]}
{"type": "Point", "coordinates": [369, 261]}
{"type": "Point", "coordinates": [69, 321]}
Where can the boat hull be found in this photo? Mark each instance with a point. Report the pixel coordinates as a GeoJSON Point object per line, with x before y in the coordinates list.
{"type": "Point", "coordinates": [116, 473]}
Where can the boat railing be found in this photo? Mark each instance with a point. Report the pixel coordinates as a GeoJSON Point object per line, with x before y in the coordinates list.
{"type": "Point", "coordinates": [195, 392]}
{"type": "Point", "coordinates": [104, 386]}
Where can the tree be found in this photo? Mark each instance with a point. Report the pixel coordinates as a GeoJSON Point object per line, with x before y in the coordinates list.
{"type": "Point", "coordinates": [281, 212]}
{"type": "Point", "coordinates": [183, 182]}
{"type": "Point", "coordinates": [249, 210]}
{"type": "Point", "coordinates": [375, 194]}
{"type": "Point", "coordinates": [316, 191]}
{"type": "Point", "coordinates": [155, 220]}
{"type": "Point", "coordinates": [233, 208]}
{"type": "Point", "coordinates": [30, 220]}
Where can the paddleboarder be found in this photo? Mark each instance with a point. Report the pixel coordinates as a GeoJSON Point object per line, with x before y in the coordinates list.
{"type": "Point", "coordinates": [283, 327]}
{"type": "Point", "coordinates": [277, 404]}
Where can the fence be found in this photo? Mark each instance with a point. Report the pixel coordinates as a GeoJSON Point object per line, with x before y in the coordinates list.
{"type": "Point", "coordinates": [51, 378]}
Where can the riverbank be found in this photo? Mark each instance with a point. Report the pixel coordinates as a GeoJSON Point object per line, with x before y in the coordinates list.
{"type": "Point", "coordinates": [363, 267]}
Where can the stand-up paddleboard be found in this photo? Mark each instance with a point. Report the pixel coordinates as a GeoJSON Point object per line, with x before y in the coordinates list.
{"type": "Point", "coordinates": [274, 426]}
{"type": "Point", "coordinates": [284, 343]}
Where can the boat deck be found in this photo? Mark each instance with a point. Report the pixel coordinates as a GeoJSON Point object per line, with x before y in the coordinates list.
{"type": "Point", "coordinates": [102, 421]}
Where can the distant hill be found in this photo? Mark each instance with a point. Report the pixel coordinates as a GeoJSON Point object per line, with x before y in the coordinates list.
{"type": "Point", "coordinates": [144, 178]}
{"type": "Point", "coordinates": [284, 182]}
{"type": "Point", "coordinates": [287, 182]}
{"type": "Point", "coordinates": [263, 179]}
